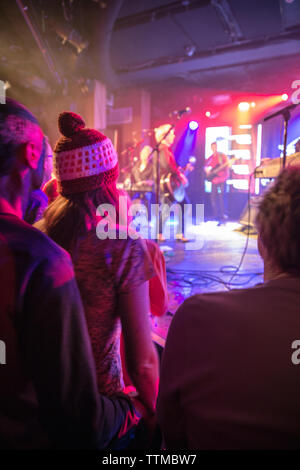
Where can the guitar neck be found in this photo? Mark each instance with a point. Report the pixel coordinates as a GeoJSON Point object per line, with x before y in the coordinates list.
{"type": "Point", "coordinates": [226, 164]}
{"type": "Point", "coordinates": [186, 170]}
{"type": "Point", "coordinates": [223, 166]}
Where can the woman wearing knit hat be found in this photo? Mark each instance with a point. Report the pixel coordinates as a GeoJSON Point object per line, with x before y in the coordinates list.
{"type": "Point", "coordinates": [112, 274]}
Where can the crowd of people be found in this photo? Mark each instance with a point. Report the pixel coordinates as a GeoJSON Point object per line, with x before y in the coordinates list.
{"type": "Point", "coordinates": [81, 369]}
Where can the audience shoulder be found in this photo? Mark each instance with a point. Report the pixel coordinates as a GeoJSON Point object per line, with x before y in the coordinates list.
{"type": "Point", "coordinates": [218, 304]}
{"type": "Point", "coordinates": [190, 305]}
{"type": "Point", "coordinates": [203, 305]}
{"type": "Point", "coordinates": [47, 251]}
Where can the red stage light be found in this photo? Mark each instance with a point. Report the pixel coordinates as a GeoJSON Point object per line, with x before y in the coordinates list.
{"type": "Point", "coordinates": [208, 114]}
{"type": "Point", "coordinates": [284, 97]}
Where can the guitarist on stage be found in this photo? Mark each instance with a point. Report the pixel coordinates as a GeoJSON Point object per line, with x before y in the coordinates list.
{"type": "Point", "coordinates": [167, 163]}
{"type": "Point", "coordinates": [218, 182]}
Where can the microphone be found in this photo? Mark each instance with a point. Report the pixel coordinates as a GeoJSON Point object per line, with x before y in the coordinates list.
{"type": "Point", "coordinates": [180, 112]}
{"type": "Point", "coordinates": [147, 131]}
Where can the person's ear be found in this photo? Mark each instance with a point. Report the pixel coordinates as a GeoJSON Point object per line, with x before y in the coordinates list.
{"type": "Point", "coordinates": [31, 155]}
{"type": "Point", "coordinates": [261, 247]}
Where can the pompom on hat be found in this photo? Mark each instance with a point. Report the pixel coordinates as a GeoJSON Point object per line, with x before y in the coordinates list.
{"type": "Point", "coordinates": [84, 159]}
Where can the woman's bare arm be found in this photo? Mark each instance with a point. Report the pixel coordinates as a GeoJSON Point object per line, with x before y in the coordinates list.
{"type": "Point", "coordinates": [140, 353]}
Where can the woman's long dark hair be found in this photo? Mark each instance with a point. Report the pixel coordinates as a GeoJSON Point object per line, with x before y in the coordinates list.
{"type": "Point", "coordinates": [67, 219]}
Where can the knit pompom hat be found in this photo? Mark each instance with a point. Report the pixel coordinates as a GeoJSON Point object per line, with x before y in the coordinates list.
{"type": "Point", "coordinates": [84, 158]}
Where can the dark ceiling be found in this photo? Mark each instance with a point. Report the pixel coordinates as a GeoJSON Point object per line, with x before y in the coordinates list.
{"type": "Point", "coordinates": [243, 45]}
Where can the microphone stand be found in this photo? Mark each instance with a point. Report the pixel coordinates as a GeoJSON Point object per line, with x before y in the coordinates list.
{"type": "Point", "coordinates": [155, 150]}
{"type": "Point", "coordinates": [285, 112]}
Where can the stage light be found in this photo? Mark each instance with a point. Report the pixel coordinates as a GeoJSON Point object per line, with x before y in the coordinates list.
{"type": "Point", "coordinates": [208, 114]}
{"type": "Point", "coordinates": [190, 50]}
{"type": "Point", "coordinates": [69, 34]}
{"type": "Point", "coordinates": [193, 125]}
{"type": "Point", "coordinates": [253, 104]}
{"type": "Point", "coordinates": [284, 97]}
{"type": "Point", "coordinates": [244, 106]}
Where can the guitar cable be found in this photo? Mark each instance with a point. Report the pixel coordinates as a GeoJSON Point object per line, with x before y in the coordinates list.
{"type": "Point", "coordinates": [237, 269]}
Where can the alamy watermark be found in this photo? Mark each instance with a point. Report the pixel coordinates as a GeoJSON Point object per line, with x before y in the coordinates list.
{"type": "Point", "coordinates": [296, 354]}
{"type": "Point", "coordinates": [2, 353]}
{"type": "Point", "coordinates": [296, 94]}
{"type": "Point", "coordinates": [138, 222]}
{"type": "Point", "coordinates": [2, 92]}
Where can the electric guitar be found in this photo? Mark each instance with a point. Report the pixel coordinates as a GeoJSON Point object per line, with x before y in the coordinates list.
{"type": "Point", "coordinates": [214, 172]}
{"type": "Point", "coordinates": [173, 185]}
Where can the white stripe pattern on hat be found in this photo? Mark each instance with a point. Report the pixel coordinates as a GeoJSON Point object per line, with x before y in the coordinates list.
{"type": "Point", "coordinates": [85, 161]}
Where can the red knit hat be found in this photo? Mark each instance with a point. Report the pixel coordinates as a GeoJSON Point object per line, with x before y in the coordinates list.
{"type": "Point", "coordinates": [84, 159]}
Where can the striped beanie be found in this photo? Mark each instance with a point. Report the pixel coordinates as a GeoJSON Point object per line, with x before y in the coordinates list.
{"type": "Point", "coordinates": [84, 158]}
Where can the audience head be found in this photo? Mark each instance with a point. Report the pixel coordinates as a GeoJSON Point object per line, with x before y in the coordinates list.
{"type": "Point", "coordinates": [278, 223]}
{"type": "Point", "coordinates": [48, 163]}
{"type": "Point", "coordinates": [85, 159]}
{"type": "Point", "coordinates": [86, 168]}
{"type": "Point", "coordinates": [22, 151]}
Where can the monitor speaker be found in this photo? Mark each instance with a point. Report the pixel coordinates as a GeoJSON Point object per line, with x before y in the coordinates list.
{"type": "Point", "coordinates": [247, 218]}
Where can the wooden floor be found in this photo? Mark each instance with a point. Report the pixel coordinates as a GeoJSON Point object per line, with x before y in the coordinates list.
{"type": "Point", "coordinates": [208, 268]}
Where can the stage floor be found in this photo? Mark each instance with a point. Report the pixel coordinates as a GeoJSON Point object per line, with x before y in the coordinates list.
{"type": "Point", "coordinates": [209, 268]}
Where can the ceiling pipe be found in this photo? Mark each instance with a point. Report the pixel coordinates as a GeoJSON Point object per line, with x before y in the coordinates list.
{"type": "Point", "coordinates": [158, 13]}
{"type": "Point", "coordinates": [39, 41]}
{"type": "Point", "coordinates": [103, 29]}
